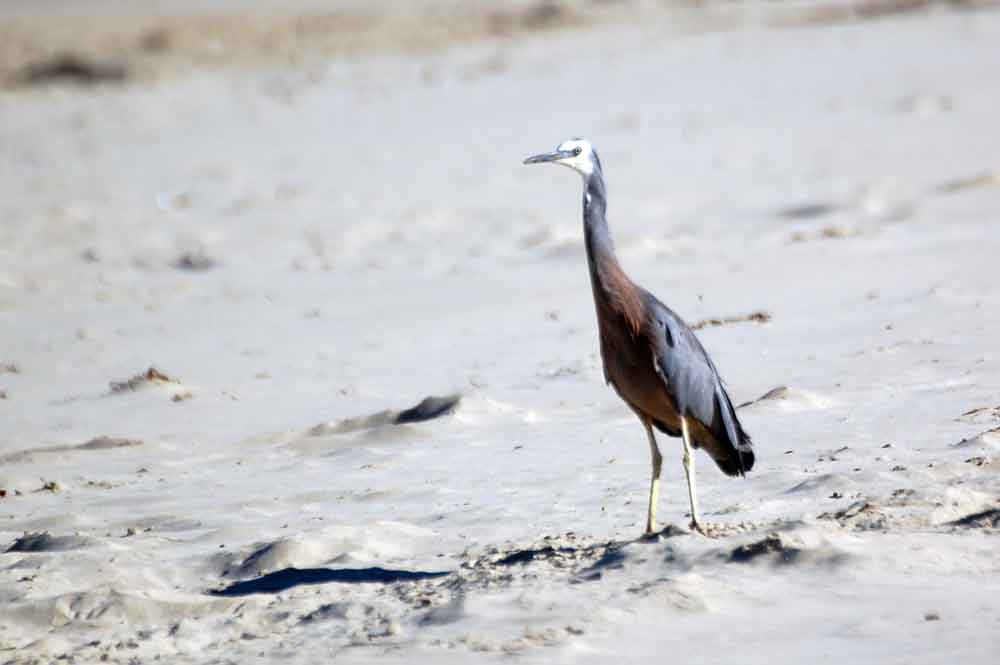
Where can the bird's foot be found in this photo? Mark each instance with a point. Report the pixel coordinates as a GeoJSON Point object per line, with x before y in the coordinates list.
{"type": "Point", "coordinates": [668, 531]}
{"type": "Point", "coordinates": [649, 537]}
{"type": "Point", "coordinates": [651, 532]}
{"type": "Point", "coordinates": [697, 526]}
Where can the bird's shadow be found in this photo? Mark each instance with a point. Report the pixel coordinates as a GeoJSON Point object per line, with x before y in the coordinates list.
{"type": "Point", "coordinates": [288, 578]}
{"type": "Point", "coordinates": [601, 556]}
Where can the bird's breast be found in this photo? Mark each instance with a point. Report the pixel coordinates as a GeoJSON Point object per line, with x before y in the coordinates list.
{"type": "Point", "coordinates": [630, 368]}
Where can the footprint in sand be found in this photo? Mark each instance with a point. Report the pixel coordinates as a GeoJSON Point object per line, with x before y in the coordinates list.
{"type": "Point", "coordinates": [784, 398]}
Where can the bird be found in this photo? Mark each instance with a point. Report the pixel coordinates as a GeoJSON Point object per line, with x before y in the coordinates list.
{"type": "Point", "coordinates": [651, 358]}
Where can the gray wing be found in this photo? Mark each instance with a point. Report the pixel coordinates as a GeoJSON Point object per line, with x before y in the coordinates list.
{"type": "Point", "coordinates": [697, 390]}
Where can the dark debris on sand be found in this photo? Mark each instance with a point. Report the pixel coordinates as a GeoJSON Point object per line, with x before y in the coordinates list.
{"type": "Point", "coordinates": [861, 515]}
{"type": "Point", "coordinates": [581, 559]}
{"type": "Point", "coordinates": [809, 210]}
{"type": "Point", "coordinates": [754, 317]}
{"type": "Point", "coordinates": [772, 544]}
{"type": "Point", "coordinates": [429, 408]}
{"type": "Point", "coordinates": [151, 375]}
{"type": "Point", "coordinates": [195, 261]}
{"type": "Point", "coordinates": [70, 68]}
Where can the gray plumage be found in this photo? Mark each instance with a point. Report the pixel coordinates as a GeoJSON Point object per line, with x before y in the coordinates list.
{"type": "Point", "coordinates": [683, 363]}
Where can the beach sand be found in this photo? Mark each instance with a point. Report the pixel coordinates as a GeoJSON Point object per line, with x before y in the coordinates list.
{"type": "Point", "coordinates": [223, 277]}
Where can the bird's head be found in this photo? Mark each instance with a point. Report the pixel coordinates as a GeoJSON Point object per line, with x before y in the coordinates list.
{"type": "Point", "coordinates": [577, 154]}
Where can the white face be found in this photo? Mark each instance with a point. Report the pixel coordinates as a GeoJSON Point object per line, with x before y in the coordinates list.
{"type": "Point", "coordinates": [577, 154]}
{"type": "Point", "coordinates": [582, 159]}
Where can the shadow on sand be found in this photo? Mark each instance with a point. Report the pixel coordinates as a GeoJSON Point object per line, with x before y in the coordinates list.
{"type": "Point", "coordinates": [281, 580]}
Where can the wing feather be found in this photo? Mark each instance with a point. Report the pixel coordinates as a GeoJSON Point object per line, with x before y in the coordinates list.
{"type": "Point", "coordinates": [697, 390]}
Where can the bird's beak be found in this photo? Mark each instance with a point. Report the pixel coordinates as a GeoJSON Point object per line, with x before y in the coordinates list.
{"type": "Point", "coordinates": [548, 157]}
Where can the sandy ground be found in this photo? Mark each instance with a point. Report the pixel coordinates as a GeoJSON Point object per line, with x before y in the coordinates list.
{"type": "Point", "coordinates": [295, 246]}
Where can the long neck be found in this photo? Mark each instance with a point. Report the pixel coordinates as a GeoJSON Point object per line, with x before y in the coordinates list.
{"type": "Point", "coordinates": [614, 293]}
{"type": "Point", "coordinates": [597, 237]}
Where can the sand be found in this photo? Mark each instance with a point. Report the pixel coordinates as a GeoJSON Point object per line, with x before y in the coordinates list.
{"type": "Point", "coordinates": [225, 282]}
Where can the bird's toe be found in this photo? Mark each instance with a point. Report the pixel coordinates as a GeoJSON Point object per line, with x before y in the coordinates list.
{"type": "Point", "coordinates": [697, 526]}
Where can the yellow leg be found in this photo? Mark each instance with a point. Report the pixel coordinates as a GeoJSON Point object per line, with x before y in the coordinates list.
{"type": "Point", "coordinates": [654, 483]}
{"type": "Point", "coordinates": [689, 472]}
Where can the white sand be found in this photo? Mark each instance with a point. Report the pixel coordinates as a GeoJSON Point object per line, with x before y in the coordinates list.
{"type": "Point", "coordinates": [376, 240]}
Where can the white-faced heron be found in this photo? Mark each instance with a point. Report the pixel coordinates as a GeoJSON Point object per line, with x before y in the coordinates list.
{"type": "Point", "coordinates": [651, 357]}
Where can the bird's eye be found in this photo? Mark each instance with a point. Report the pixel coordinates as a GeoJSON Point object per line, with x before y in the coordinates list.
{"type": "Point", "coordinates": [577, 150]}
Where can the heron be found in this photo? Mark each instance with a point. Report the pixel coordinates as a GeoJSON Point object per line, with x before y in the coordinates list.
{"type": "Point", "coordinates": [651, 358]}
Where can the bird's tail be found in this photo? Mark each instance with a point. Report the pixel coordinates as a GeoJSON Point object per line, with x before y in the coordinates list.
{"type": "Point", "coordinates": [731, 448]}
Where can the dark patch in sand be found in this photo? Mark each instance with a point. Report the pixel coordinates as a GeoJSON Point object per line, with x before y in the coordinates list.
{"type": "Point", "coordinates": [527, 556]}
{"type": "Point", "coordinates": [46, 542]}
{"type": "Point", "coordinates": [98, 443]}
{"type": "Point", "coordinates": [582, 561]}
{"type": "Point", "coordinates": [195, 261]}
{"type": "Point", "coordinates": [755, 317]}
{"type": "Point", "coordinates": [612, 559]}
{"type": "Point", "coordinates": [107, 442]}
{"type": "Point", "coordinates": [602, 555]}
{"type": "Point", "coordinates": [671, 531]}
{"type": "Point", "coordinates": [151, 375]}
{"type": "Point", "coordinates": [772, 544]}
{"type": "Point", "coordinates": [544, 15]}
{"type": "Point", "coordinates": [808, 210]}
{"type": "Point", "coordinates": [831, 13]}
{"type": "Point", "coordinates": [70, 68]}
{"type": "Point", "coordinates": [987, 519]}
{"type": "Point", "coordinates": [428, 409]}
{"type": "Point", "coordinates": [252, 565]}
{"type": "Point", "coordinates": [860, 515]}
{"type": "Point", "coordinates": [50, 486]}
{"type": "Point", "coordinates": [288, 578]}
{"type": "Point", "coordinates": [326, 612]}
